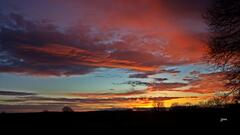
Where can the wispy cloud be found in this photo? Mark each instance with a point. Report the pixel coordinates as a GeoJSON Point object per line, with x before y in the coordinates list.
{"type": "Point", "coordinates": [147, 74]}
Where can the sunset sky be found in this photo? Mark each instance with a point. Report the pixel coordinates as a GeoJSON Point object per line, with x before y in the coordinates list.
{"type": "Point", "coordinates": [103, 54]}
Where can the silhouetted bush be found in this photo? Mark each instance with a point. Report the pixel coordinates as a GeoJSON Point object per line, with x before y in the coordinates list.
{"type": "Point", "coordinates": [67, 109]}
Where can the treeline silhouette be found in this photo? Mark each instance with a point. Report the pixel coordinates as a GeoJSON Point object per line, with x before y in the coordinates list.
{"type": "Point", "coordinates": [226, 116]}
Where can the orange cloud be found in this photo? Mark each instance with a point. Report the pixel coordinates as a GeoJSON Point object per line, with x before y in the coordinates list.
{"type": "Point", "coordinates": [208, 83]}
{"type": "Point", "coordinates": [203, 84]}
{"type": "Point", "coordinates": [158, 30]}
{"type": "Point", "coordinates": [78, 56]}
{"type": "Point", "coordinates": [107, 95]}
{"type": "Point", "coordinates": [144, 35]}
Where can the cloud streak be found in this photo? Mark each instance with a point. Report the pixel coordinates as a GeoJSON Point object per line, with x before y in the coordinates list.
{"type": "Point", "coordinates": [15, 93]}
{"type": "Point", "coordinates": [80, 102]}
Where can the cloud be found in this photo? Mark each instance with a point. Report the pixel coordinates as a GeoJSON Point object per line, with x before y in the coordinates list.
{"type": "Point", "coordinates": [166, 86]}
{"type": "Point", "coordinates": [111, 38]}
{"type": "Point", "coordinates": [147, 74]}
{"type": "Point", "coordinates": [139, 75]}
{"type": "Point", "coordinates": [207, 83]}
{"type": "Point", "coordinates": [19, 35]}
{"type": "Point", "coordinates": [81, 102]}
{"type": "Point", "coordinates": [15, 93]}
{"type": "Point", "coordinates": [159, 85]}
{"type": "Point", "coordinates": [108, 95]}
{"type": "Point", "coordinates": [160, 79]}
{"type": "Point", "coordinates": [28, 108]}
{"type": "Point", "coordinates": [40, 49]}
{"type": "Point", "coordinates": [136, 83]}
{"type": "Point", "coordinates": [195, 72]}
{"type": "Point", "coordinates": [190, 79]}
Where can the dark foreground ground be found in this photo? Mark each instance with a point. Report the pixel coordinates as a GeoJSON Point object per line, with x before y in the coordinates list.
{"type": "Point", "coordinates": [184, 118]}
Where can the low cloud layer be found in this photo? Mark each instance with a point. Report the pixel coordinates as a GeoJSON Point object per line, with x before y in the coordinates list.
{"type": "Point", "coordinates": [15, 93]}
{"type": "Point", "coordinates": [79, 101]}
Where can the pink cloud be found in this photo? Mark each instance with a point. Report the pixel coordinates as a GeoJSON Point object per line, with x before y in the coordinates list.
{"type": "Point", "coordinates": [142, 36]}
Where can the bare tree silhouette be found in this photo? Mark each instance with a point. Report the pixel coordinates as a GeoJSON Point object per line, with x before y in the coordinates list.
{"type": "Point", "coordinates": [223, 19]}
{"type": "Point", "coordinates": [216, 101]}
{"type": "Point", "coordinates": [157, 106]}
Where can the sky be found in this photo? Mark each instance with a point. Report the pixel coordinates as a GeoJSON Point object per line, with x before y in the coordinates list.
{"type": "Point", "coordinates": [96, 55]}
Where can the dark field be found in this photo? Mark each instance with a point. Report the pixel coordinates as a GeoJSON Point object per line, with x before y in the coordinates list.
{"type": "Point", "coordinates": [200, 118]}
